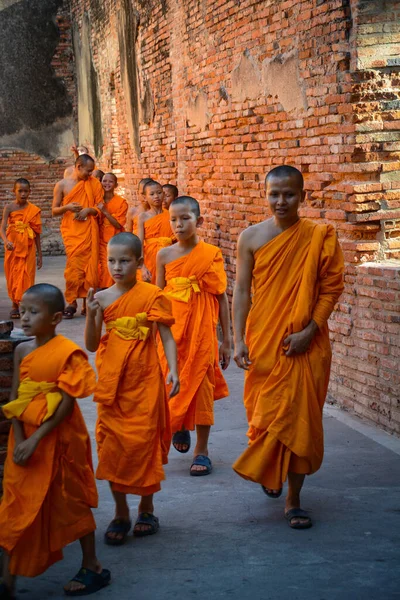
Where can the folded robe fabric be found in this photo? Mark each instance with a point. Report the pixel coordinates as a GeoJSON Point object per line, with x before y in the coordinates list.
{"type": "Point", "coordinates": [117, 207]}
{"type": "Point", "coordinates": [157, 234]}
{"type": "Point", "coordinates": [81, 240]}
{"type": "Point", "coordinates": [297, 276]}
{"type": "Point", "coordinates": [192, 283]}
{"type": "Point", "coordinates": [20, 263]}
{"type": "Point", "coordinates": [133, 434]}
{"type": "Point", "coordinates": [47, 503]}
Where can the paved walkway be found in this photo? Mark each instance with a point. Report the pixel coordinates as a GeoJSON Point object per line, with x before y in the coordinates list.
{"type": "Point", "coordinates": [221, 537]}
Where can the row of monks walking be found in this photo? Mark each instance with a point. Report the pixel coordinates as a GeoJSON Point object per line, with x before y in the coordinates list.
{"type": "Point", "coordinates": [153, 293]}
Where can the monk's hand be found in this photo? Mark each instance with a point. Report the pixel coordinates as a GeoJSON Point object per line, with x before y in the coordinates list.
{"type": "Point", "coordinates": [172, 378]}
{"type": "Point", "coordinates": [146, 275]}
{"type": "Point", "coordinates": [82, 215]}
{"type": "Point", "coordinates": [225, 354]}
{"type": "Point", "coordinates": [299, 343]}
{"type": "Point", "coordinates": [39, 261]}
{"type": "Point", "coordinates": [9, 245]}
{"type": "Point", "coordinates": [92, 304]}
{"type": "Point", "coordinates": [241, 355]}
{"type": "Point", "coordinates": [24, 450]}
{"type": "Point", "coordinates": [74, 207]}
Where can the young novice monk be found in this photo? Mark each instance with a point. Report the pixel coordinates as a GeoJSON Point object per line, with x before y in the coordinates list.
{"type": "Point", "coordinates": [154, 229]}
{"type": "Point", "coordinates": [134, 211]}
{"type": "Point", "coordinates": [20, 231]}
{"type": "Point", "coordinates": [49, 486]}
{"type": "Point", "coordinates": [170, 193]}
{"type": "Point", "coordinates": [193, 275]}
{"type": "Point", "coordinates": [132, 432]}
{"type": "Point", "coordinates": [289, 277]}
{"type": "Point", "coordinates": [112, 221]}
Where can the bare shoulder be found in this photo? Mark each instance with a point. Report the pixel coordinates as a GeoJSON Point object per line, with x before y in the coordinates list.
{"type": "Point", "coordinates": [132, 211]}
{"type": "Point", "coordinates": [24, 349]}
{"type": "Point", "coordinates": [8, 208]}
{"type": "Point", "coordinates": [165, 255]}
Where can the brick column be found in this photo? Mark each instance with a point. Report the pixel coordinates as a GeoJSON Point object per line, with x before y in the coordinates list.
{"type": "Point", "coordinates": [9, 340]}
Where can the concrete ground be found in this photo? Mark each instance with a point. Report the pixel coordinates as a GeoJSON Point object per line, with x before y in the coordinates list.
{"type": "Point", "coordinates": [221, 537]}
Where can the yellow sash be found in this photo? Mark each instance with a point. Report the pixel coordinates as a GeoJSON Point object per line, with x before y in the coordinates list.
{"type": "Point", "coordinates": [163, 241]}
{"type": "Point", "coordinates": [183, 287]}
{"type": "Point", "coordinates": [27, 391]}
{"type": "Point", "coordinates": [130, 328]}
{"type": "Point", "coordinates": [21, 227]}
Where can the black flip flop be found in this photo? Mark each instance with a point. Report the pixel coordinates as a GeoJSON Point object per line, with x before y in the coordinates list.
{"type": "Point", "coordinates": [181, 437]}
{"type": "Point", "coordinates": [92, 581]}
{"type": "Point", "coordinates": [117, 526]}
{"type": "Point", "coordinates": [146, 519]}
{"type": "Point", "coordinates": [68, 312]}
{"type": "Point", "coordinates": [201, 460]}
{"type": "Point", "coordinates": [296, 513]}
{"type": "Point", "coordinates": [270, 494]}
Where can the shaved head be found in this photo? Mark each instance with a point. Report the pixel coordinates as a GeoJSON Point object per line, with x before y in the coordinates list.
{"type": "Point", "coordinates": [285, 171]}
{"type": "Point", "coordinates": [188, 201]}
{"type": "Point", "coordinates": [22, 181]}
{"type": "Point", "coordinates": [150, 184]}
{"type": "Point", "coordinates": [49, 294]}
{"type": "Point", "coordinates": [83, 160]}
{"type": "Point", "coordinates": [129, 240]}
{"type": "Point", "coordinates": [110, 175]}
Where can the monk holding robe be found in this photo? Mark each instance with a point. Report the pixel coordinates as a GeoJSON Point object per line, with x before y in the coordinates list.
{"type": "Point", "coordinates": [112, 221]}
{"type": "Point", "coordinates": [49, 486]}
{"type": "Point", "coordinates": [154, 229]}
{"type": "Point", "coordinates": [192, 275]}
{"type": "Point", "coordinates": [295, 270]}
{"type": "Point", "coordinates": [133, 435]}
{"type": "Point", "coordinates": [76, 199]}
{"type": "Point", "coordinates": [21, 227]}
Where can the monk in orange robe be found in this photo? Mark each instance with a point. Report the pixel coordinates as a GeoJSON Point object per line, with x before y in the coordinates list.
{"type": "Point", "coordinates": [134, 211]}
{"type": "Point", "coordinates": [49, 486]}
{"type": "Point", "coordinates": [76, 199]}
{"type": "Point", "coordinates": [133, 434]}
{"type": "Point", "coordinates": [112, 221]}
{"type": "Point", "coordinates": [192, 275]}
{"type": "Point", "coordinates": [20, 230]}
{"type": "Point", "coordinates": [296, 269]}
{"type": "Point", "coordinates": [154, 229]}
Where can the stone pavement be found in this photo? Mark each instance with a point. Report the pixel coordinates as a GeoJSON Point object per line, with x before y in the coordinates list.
{"type": "Point", "coordinates": [221, 537]}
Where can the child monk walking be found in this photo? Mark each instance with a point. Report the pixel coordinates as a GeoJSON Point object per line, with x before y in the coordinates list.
{"type": "Point", "coordinates": [170, 193]}
{"type": "Point", "coordinates": [154, 229]}
{"type": "Point", "coordinates": [112, 221]}
{"type": "Point", "coordinates": [21, 227]}
{"type": "Point", "coordinates": [134, 211]}
{"type": "Point", "coordinates": [133, 434]}
{"type": "Point", "coordinates": [49, 486]}
{"type": "Point", "coordinates": [192, 273]}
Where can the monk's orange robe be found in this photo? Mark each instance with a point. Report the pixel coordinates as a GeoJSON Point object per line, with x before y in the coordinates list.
{"type": "Point", "coordinates": [157, 235]}
{"type": "Point", "coordinates": [81, 241]}
{"type": "Point", "coordinates": [20, 263]}
{"type": "Point", "coordinates": [133, 435]}
{"type": "Point", "coordinates": [117, 207]}
{"type": "Point", "coordinates": [297, 277]}
{"type": "Point", "coordinates": [47, 503]}
{"type": "Point", "coordinates": [192, 284]}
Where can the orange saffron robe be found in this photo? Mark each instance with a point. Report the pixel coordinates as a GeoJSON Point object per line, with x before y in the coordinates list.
{"type": "Point", "coordinates": [117, 207]}
{"type": "Point", "coordinates": [157, 234]}
{"type": "Point", "coordinates": [47, 503]}
{"type": "Point", "coordinates": [81, 241]}
{"type": "Point", "coordinates": [133, 435]}
{"type": "Point", "coordinates": [20, 263]}
{"type": "Point", "coordinates": [297, 276]}
{"type": "Point", "coordinates": [192, 283]}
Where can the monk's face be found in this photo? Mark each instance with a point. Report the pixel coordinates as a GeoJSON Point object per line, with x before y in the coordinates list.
{"type": "Point", "coordinates": [22, 191]}
{"type": "Point", "coordinates": [168, 197]}
{"type": "Point", "coordinates": [154, 195]}
{"type": "Point", "coordinates": [36, 317]}
{"type": "Point", "coordinates": [85, 171]}
{"type": "Point", "coordinates": [122, 264]}
{"type": "Point", "coordinates": [109, 182]}
{"type": "Point", "coordinates": [184, 222]}
{"type": "Point", "coordinates": [284, 196]}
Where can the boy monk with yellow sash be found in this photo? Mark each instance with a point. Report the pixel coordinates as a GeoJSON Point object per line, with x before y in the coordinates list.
{"type": "Point", "coordinates": [21, 227]}
{"type": "Point", "coordinates": [49, 486]}
{"type": "Point", "coordinates": [133, 434]}
{"type": "Point", "coordinates": [154, 229]}
{"type": "Point", "coordinates": [112, 221]}
{"type": "Point", "coordinates": [76, 199]}
{"type": "Point", "coordinates": [192, 275]}
{"type": "Point", "coordinates": [289, 277]}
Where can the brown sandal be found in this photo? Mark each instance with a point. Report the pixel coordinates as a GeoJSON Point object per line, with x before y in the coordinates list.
{"type": "Point", "coordinates": [69, 312]}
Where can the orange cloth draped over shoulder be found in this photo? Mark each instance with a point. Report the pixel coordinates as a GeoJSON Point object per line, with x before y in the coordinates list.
{"type": "Point", "coordinates": [297, 277]}
{"type": "Point", "coordinates": [47, 503]}
{"type": "Point", "coordinates": [192, 284]}
{"type": "Point", "coordinates": [117, 207]}
{"type": "Point", "coordinates": [157, 235]}
{"type": "Point", "coordinates": [20, 263]}
{"type": "Point", "coordinates": [133, 434]}
{"type": "Point", "coordinates": [81, 240]}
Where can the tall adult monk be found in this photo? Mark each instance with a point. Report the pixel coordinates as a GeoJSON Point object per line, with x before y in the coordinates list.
{"type": "Point", "coordinates": [76, 199]}
{"type": "Point", "coordinates": [289, 277]}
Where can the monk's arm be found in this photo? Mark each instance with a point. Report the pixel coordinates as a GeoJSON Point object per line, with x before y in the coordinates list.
{"type": "Point", "coordinates": [38, 250]}
{"type": "Point", "coordinates": [103, 208]}
{"type": "Point", "coordinates": [129, 219]}
{"type": "Point", "coordinates": [18, 427]}
{"type": "Point", "coordinates": [224, 319]}
{"type": "Point", "coordinates": [160, 269]}
{"type": "Point", "coordinates": [169, 346]}
{"type": "Point", "coordinates": [331, 287]}
{"type": "Point", "coordinates": [141, 228]}
{"type": "Point", "coordinates": [3, 229]}
{"type": "Point", "coordinates": [57, 209]}
{"type": "Point", "coordinates": [242, 298]}
{"type": "Point", "coordinates": [25, 449]}
{"type": "Point", "coordinates": [94, 322]}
